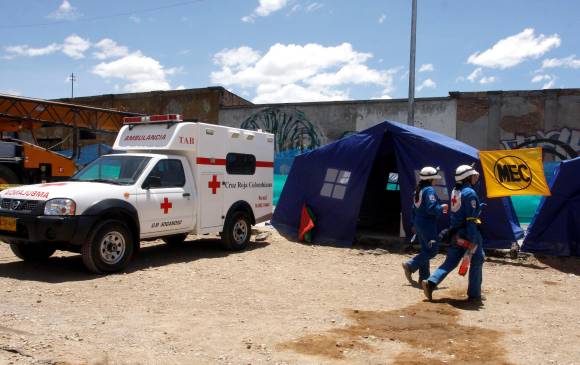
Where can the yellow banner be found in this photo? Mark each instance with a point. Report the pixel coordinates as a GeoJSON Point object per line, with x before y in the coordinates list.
{"type": "Point", "coordinates": [514, 172]}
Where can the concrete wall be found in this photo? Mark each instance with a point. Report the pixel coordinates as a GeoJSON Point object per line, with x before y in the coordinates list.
{"type": "Point", "coordinates": [486, 120]}
{"type": "Point", "coordinates": [310, 125]}
{"type": "Point", "coordinates": [201, 104]}
{"type": "Point", "coordinates": [513, 119]}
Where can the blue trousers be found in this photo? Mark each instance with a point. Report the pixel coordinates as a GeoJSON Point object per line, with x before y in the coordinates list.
{"type": "Point", "coordinates": [454, 256]}
{"type": "Point", "coordinates": [421, 261]}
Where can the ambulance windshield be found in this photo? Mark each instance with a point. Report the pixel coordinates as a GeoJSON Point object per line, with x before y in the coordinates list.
{"type": "Point", "coordinates": [113, 169]}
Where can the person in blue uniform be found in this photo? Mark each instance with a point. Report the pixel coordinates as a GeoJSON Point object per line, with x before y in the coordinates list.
{"type": "Point", "coordinates": [425, 211]}
{"type": "Point", "coordinates": [465, 235]}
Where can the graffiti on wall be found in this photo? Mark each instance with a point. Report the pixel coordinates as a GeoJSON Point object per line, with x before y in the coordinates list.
{"type": "Point", "coordinates": [563, 143]}
{"type": "Point", "coordinates": [291, 127]}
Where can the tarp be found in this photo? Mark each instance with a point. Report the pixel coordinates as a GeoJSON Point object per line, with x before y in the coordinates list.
{"type": "Point", "coordinates": [332, 180]}
{"type": "Point", "coordinates": [555, 228]}
{"type": "Point", "coordinates": [88, 153]}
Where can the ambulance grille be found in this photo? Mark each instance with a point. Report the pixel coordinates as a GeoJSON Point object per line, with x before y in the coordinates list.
{"type": "Point", "coordinates": [19, 204]}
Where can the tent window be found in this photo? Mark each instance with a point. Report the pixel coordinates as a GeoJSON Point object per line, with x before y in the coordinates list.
{"type": "Point", "coordinates": [393, 182]}
{"type": "Point", "coordinates": [335, 183]}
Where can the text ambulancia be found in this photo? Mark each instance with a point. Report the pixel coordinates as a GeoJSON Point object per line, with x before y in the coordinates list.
{"type": "Point", "coordinates": [172, 179]}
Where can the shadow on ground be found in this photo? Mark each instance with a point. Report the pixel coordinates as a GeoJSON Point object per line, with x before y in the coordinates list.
{"type": "Point", "coordinates": [70, 268]}
{"type": "Point", "coordinates": [568, 265]}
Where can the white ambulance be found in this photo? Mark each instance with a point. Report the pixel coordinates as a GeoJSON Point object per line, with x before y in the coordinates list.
{"type": "Point", "coordinates": [166, 179]}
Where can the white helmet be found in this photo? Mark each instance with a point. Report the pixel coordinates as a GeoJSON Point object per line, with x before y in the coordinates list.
{"type": "Point", "coordinates": [464, 171]}
{"type": "Point", "coordinates": [429, 173]}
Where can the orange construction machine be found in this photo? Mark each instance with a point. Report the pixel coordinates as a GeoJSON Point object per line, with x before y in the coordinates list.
{"type": "Point", "coordinates": [24, 161]}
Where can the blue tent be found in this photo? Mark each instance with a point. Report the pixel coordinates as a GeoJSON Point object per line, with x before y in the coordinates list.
{"type": "Point", "coordinates": [555, 228]}
{"type": "Point", "coordinates": [344, 184]}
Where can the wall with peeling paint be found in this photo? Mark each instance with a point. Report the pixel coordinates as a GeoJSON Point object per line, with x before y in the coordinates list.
{"type": "Point", "coordinates": [310, 125]}
{"type": "Point", "coordinates": [514, 119]}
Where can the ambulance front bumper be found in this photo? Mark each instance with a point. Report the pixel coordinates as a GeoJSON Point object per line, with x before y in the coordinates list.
{"type": "Point", "coordinates": [38, 229]}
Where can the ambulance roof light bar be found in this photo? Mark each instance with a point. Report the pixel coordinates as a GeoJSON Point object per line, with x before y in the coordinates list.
{"type": "Point", "coordinates": [160, 118]}
{"type": "Point", "coordinates": [169, 119]}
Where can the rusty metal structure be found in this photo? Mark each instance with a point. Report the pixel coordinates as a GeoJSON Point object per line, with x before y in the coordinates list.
{"type": "Point", "coordinates": [23, 162]}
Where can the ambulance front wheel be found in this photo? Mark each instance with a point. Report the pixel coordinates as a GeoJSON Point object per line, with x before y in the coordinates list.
{"type": "Point", "coordinates": [237, 231]}
{"type": "Point", "coordinates": [110, 248]}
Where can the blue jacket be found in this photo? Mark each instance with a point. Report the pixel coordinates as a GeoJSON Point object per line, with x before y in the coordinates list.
{"type": "Point", "coordinates": [426, 213]}
{"type": "Point", "coordinates": [466, 214]}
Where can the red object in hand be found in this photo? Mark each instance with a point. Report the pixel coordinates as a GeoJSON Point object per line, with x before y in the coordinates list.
{"type": "Point", "coordinates": [464, 267]}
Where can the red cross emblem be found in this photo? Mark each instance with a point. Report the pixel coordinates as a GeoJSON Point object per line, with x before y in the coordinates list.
{"type": "Point", "coordinates": [214, 184]}
{"type": "Point", "coordinates": [166, 205]}
{"type": "Point", "coordinates": [454, 199]}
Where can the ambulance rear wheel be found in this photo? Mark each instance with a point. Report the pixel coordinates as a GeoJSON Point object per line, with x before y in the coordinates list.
{"type": "Point", "coordinates": [110, 248]}
{"type": "Point", "coordinates": [237, 232]}
{"type": "Point", "coordinates": [32, 252]}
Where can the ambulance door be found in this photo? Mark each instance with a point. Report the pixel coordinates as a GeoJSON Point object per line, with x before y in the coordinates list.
{"type": "Point", "coordinates": [165, 203]}
{"type": "Point", "coordinates": [211, 191]}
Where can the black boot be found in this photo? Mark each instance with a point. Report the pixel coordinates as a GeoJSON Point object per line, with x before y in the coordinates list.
{"type": "Point", "coordinates": [428, 287]}
{"type": "Point", "coordinates": [408, 273]}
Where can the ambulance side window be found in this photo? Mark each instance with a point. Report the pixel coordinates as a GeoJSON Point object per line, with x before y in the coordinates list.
{"type": "Point", "coordinates": [170, 174]}
{"type": "Point", "coordinates": [240, 164]}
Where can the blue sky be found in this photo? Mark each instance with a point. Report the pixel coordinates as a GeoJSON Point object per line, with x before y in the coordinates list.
{"type": "Point", "coordinates": [287, 50]}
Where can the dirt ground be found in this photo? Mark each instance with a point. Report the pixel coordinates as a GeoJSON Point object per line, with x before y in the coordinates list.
{"type": "Point", "coordinates": [283, 303]}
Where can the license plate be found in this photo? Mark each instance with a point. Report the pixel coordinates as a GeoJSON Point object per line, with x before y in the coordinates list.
{"type": "Point", "coordinates": [7, 224]}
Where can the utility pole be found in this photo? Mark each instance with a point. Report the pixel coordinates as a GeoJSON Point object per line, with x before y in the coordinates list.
{"type": "Point", "coordinates": [75, 133]}
{"type": "Point", "coordinates": [411, 113]}
{"type": "Point", "coordinates": [72, 78]}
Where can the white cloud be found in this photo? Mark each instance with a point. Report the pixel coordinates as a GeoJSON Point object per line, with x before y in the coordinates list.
{"type": "Point", "coordinates": [299, 73]}
{"type": "Point", "coordinates": [135, 19]}
{"type": "Point", "coordinates": [382, 18]}
{"type": "Point", "coordinates": [540, 78]}
{"type": "Point", "coordinates": [550, 84]}
{"type": "Point", "coordinates": [265, 8]}
{"type": "Point", "coordinates": [568, 62]}
{"type": "Point", "coordinates": [549, 80]}
{"type": "Point", "coordinates": [25, 50]}
{"type": "Point", "coordinates": [108, 48]}
{"type": "Point", "coordinates": [180, 87]}
{"type": "Point", "coordinates": [141, 72]}
{"type": "Point", "coordinates": [65, 12]}
{"type": "Point", "coordinates": [236, 58]}
{"type": "Point", "coordinates": [475, 74]}
{"type": "Point", "coordinates": [313, 7]}
{"type": "Point", "coordinates": [427, 84]}
{"type": "Point", "coordinates": [290, 93]}
{"type": "Point", "coordinates": [384, 96]}
{"type": "Point", "coordinates": [427, 67]}
{"type": "Point", "coordinates": [75, 46]}
{"type": "Point", "coordinates": [487, 80]}
{"type": "Point", "coordinates": [11, 92]}
{"type": "Point", "coordinates": [515, 49]}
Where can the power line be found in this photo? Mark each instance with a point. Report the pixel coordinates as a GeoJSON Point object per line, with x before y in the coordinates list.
{"type": "Point", "coordinates": [32, 25]}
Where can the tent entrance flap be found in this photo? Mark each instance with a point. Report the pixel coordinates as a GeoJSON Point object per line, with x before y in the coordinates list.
{"type": "Point", "coordinates": [381, 205]}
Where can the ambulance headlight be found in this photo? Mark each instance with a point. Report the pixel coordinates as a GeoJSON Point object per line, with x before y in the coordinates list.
{"type": "Point", "coordinates": [60, 207]}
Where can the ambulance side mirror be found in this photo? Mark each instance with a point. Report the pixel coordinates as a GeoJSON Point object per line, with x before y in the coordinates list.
{"type": "Point", "coordinates": [152, 182]}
